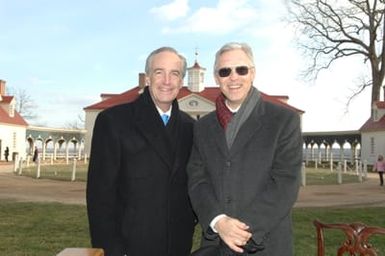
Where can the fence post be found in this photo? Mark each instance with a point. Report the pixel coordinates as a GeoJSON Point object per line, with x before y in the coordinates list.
{"type": "Point", "coordinates": [316, 164]}
{"type": "Point", "coordinates": [356, 164]}
{"type": "Point", "coordinates": [85, 159]}
{"type": "Point", "coordinates": [51, 159]}
{"type": "Point", "coordinates": [331, 162]}
{"type": "Point", "coordinates": [38, 168]}
{"type": "Point", "coordinates": [359, 173]}
{"type": "Point", "coordinates": [366, 169]}
{"type": "Point", "coordinates": [16, 164]}
{"type": "Point", "coordinates": [28, 160]}
{"type": "Point", "coordinates": [339, 175]}
{"type": "Point", "coordinates": [345, 165]}
{"type": "Point", "coordinates": [73, 170]}
{"type": "Point", "coordinates": [20, 166]}
{"type": "Point", "coordinates": [303, 175]}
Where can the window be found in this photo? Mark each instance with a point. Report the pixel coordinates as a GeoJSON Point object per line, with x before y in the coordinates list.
{"type": "Point", "coordinates": [14, 140]}
{"type": "Point", "coordinates": [372, 145]}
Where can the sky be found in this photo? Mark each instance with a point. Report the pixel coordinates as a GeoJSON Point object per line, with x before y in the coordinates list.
{"type": "Point", "coordinates": [65, 53]}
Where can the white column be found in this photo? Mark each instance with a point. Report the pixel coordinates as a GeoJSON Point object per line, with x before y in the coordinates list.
{"type": "Point", "coordinates": [303, 175]}
{"type": "Point", "coordinates": [38, 168]}
{"type": "Point", "coordinates": [74, 170]}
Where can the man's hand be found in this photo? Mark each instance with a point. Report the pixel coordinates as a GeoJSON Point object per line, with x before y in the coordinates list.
{"type": "Point", "coordinates": [233, 232]}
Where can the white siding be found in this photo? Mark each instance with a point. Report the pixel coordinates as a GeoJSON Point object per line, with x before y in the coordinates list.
{"type": "Point", "coordinates": [90, 121]}
{"type": "Point", "coordinates": [379, 145]}
{"type": "Point", "coordinates": [13, 136]}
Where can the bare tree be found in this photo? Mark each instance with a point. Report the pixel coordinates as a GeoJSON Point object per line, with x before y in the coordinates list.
{"type": "Point", "coordinates": [25, 105]}
{"type": "Point", "coordinates": [334, 29]}
{"type": "Point", "coordinates": [78, 123]}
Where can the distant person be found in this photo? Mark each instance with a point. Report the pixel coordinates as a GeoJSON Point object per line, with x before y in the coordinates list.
{"type": "Point", "coordinates": [244, 170]}
{"type": "Point", "coordinates": [6, 154]}
{"type": "Point", "coordinates": [379, 166]}
{"type": "Point", "coordinates": [137, 197]}
{"type": "Point", "coordinates": [35, 154]}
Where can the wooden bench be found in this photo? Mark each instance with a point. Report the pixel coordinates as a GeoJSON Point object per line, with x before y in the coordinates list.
{"type": "Point", "coordinates": [357, 235]}
{"type": "Point", "coordinates": [81, 252]}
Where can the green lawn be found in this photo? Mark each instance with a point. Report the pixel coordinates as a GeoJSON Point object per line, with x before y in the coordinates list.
{"type": "Point", "coordinates": [320, 176]}
{"type": "Point", "coordinates": [39, 229]}
{"type": "Point", "coordinates": [47, 228]}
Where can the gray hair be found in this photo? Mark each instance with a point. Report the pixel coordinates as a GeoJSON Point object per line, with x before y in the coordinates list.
{"type": "Point", "coordinates": [165, 49]}
{"type": "Point", "coordinates": [234, 46]}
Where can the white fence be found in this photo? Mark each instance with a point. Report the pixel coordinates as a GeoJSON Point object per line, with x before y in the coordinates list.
{"type": "Point", "coordinates": [20, 164]}
{"type": "Point", "coordinates": [360, 170]}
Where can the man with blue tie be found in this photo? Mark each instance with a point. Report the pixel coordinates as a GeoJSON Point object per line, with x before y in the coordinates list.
{"type": "Point", "coordinates": [137, 198]}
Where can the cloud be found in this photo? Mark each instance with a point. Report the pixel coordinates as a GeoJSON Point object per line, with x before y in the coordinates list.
{"type": "Point", "coordinates": [171, 11]}
{"type": "Point", "coordinates": [226, 17]}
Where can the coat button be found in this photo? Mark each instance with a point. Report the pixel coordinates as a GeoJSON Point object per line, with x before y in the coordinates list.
{"type": "Point", "coordinates": [228, 163]}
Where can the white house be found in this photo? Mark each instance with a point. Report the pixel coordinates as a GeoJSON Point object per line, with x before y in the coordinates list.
{"type": "Point", "coordinates": [195, 99]}
{"type": "Point", "coordinates": [12, 126]}
{"type": "Point", "coordinates": [373, 133]}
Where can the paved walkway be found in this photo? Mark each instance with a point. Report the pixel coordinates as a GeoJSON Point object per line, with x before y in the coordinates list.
{"type": "Point", "coordinates": [21, 188]}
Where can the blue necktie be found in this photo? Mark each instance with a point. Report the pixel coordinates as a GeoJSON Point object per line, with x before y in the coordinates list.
{"type": "Point", "coordinates": [165, 118]}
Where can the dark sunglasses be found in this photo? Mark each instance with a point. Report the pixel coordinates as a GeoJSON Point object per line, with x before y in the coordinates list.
{"type": "Point", "coordinates": [241, 70]}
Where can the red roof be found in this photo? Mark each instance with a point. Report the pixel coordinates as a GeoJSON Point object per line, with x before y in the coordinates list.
{"type": "Point", "coordinates": [17, 119]}
{"type": "Point", "coordinates": [380, 104]}
{"type": "Point", "coordinates": [210, 93]}
{"type": "Point", "coordinates": [196, 66]}
{"type": "Point", "coordinates": [6, 99]}
{"type": "Point", "coordinates": [124, 97]}
{"type": "Point", "coordinates": [371, 126]}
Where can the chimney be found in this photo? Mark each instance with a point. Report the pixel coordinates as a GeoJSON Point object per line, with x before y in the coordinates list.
{"type": "Point", "coordinates": [142, 80]}
{"type": "Point", "coordinates": [2, 88]}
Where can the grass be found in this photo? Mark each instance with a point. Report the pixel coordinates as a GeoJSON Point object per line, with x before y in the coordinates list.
{"type": "Point", "coordinates": [320, 176]}
{"type": "Point", "coordinates": [44, 229]}
{"type": "Point", "coordinates": [41, 228]}
{"type": "Point", "coordinates": [57, 171]}
{"type": "Point", "coordinates": [47, 228]}
{"type": "Point", "coordinates": [326, 177]}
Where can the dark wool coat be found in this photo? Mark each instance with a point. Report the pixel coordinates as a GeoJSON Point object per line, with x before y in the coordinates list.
{"type": "Point", "coordinates": [256, 180]}
{"type": "Point", "coordinates": [137, 197]}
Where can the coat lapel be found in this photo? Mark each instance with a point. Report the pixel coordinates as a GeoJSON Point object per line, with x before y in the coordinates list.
{"type": "Point", "coordinates": [183, 134]}
{"type": "Point", "coordinates": [217, 133]}
{"type": "Point", "coordinates": [150, 126]}
{"type": "Point", "coordinates": [251, 126]}
{"type": "Point", "coordinates": [157, 140]}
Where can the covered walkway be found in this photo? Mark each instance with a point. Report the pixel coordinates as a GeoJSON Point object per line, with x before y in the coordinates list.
{"type": "Point", "coordinates": [339, 145]}
{"type": "Point", "coordinates": [55, 143]}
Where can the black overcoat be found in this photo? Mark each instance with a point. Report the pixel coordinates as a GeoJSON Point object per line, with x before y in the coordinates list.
{"type": "Point", "coordinates": [137, 197]}
{"type": "Point", "coordinates": [256, 180]}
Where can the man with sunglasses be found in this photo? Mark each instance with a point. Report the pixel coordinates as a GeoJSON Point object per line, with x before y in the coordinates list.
{"type": "Point", "coordinates": [244, 169]}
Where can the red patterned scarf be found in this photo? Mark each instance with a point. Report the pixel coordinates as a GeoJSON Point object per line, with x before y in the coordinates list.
{"type": "Point", "coordinates": [224, 115]}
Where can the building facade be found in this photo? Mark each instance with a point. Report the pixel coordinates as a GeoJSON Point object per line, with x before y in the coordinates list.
{"type": "Point", "coordinates": [373, 133]}
{"type": "Point", "coordinates": [196, 99]}
{"type": "Point", "coordinates": [12, 126]}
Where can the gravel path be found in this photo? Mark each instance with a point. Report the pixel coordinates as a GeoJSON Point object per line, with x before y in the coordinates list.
{"type": "Point", "coordinates": [21, 188]}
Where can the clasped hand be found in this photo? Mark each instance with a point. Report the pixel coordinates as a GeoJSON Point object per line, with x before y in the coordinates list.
{"type": "Point", "coordinates": [233, 232]}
